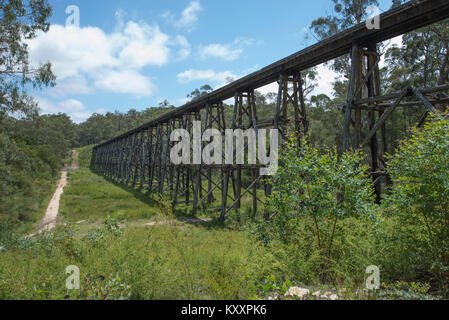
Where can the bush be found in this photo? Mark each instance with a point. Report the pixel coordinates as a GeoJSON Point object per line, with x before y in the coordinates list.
{"type": "Point", "coordinates": [26, 180]}
{"type": "Point", "coordinates": [84, 157]}
{"type": "Point", "coordinates": [419, 201]}
{"type": "Point", "coordinates": [48, 154]}
{"type": "Point", "coordinates": [321, 205]}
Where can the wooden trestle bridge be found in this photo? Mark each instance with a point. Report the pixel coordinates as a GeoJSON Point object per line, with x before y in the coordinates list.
{"type": "Point", "coordinates": [141, 157]}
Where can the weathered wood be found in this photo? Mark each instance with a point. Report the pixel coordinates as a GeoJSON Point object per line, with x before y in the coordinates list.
{"type": "Point", "coordinates": [371, 66]}
{"type": "Point", "coordinates": [243, 193]}
{"type": "Point", "coordinates": [153, 157]}
{"type": "Point", "coordinates": [358, 88]}
{"type": "Point", "coordinates": [424, 100]}
{"type": "Point", "coordinates": [383, 118]}
{"type": "Point", "coordinates": [383, 106]}
{"type": "Point", "coordinates": [396, 95]}
{"type": "Point", "coordinates": [351, 91]}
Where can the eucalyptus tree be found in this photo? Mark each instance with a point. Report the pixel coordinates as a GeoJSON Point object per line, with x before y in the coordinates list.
{"type": "Point", "coordinates": [21, 21]}
{"type": "Point", "coordinates": [347, 13]}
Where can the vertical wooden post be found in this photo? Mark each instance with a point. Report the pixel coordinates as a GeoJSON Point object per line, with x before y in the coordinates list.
{"type": "Point", "coordinates": [227, 170]}
{"type": "Point", "coordinates": [154, 157]}
{"type": "Point", "coordinates": [142, 160]}
{"type": "Point", "coordinates": [350, 98]}
{"type": "Point", "coordinates": [150, 155]}
{"type": "Point", "coordinates": [268, 186]}
{"type": "Point", "coordinates": [358, 92]}
{"type": "Point", "coordinates": [138, 158]}
{"type": "Point", "coordinates": [198, 184]}
{"type": "Point", "coordinates": [130, 158]}
{"type": "Point", "coordinates": [372, 122]}
{"type": "Point", "coordinates": [165, 155]}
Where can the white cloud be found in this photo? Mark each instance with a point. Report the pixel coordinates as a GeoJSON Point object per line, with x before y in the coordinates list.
{"type": "Point", "coordinates": [216, 79]}
{"type": "Point", "coordinates": [229, 52]}
{"type": "Point", "coordinates": [269, 88]}
{"type": "Point", "coordinates": [221, 51]}
{"type": "Point", "coordinates": [143, 45]}
{"type": "Point", "coordinates": [220, 78]}
{"type": "Point", "coordinates": [184, 47]}
{"type": "Point", "coordinates": [182, 101]}
{"type": "Point", "coordinates": [72, 107]}
{"type": "Point", "coordinates": [84, 56]}
{"type": "Point", "coordinates": [189, 15]}
{"type": "Point", "coordinates": [72, 51]}
{"type": "Point", "coordinates": [71, 85]}
{"type": "Point", "coordinates": [326, 78]}
{"type": "Point", "coordinates": [124, 81]}
{"type": "Point", "coordinates": [397, 41]}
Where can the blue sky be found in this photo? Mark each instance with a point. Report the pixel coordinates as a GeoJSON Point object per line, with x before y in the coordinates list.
{"type": "Point", "coordinates": [133, 54]}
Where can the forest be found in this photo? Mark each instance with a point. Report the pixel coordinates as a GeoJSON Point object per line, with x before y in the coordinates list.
{"type": "Point", "coordinates": [324, 246]}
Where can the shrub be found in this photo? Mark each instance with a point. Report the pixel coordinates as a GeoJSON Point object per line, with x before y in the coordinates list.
{"type": "Point", "coordinates": [85, 155]}
{"type": "Point", "coordinates": [419, 200]}
{"type": "Point", "coordinates": [48, 154]}
{"type": "Point", "coordinates": [25, 180]}
{"type": "Point", "coordinates": [313, 196]}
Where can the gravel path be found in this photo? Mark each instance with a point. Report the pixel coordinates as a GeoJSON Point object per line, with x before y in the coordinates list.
{"type": "Point", "coordinates": [51, 214]}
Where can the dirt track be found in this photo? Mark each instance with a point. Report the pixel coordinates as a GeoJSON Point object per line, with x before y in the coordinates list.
{"type": "Point", "coordinates": [51, 214]}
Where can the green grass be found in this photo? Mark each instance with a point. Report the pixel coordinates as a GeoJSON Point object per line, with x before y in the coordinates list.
{"type": "Point", "coordinates": [91, 197]}
{"type": "Point", "coordinates": [174, 260]}
{"type": "Point", "coordinates": [160, 262]}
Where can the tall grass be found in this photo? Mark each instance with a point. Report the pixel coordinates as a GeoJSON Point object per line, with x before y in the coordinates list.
{"type": "Point", "coordinates": [159, 262]}
{"type": "Point", "coordinates": [169, 260]}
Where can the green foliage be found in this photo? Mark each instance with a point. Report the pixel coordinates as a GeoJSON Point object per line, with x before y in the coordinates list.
{"type": "Point", "coordinates": [84, 156]}
{"type": "Point", "coordinates": [347, 13]}
{"type": "Point", "coordinates": [319, 187]}
{"type": "Point", "coordinates": [31, 153]}
{"type": "Point", "coordinates": [20, 21]}
{"type": "Point", "coordinates": [99, 127]}
{"type": "Point", "coordinates": [405, 291]}
{"type": "Point", "coordinates": [27, 180]}
{"type": "Point", "coordinates": [321, 112]}
{"type": "Point", "coordinates": [422, 61]}
{"type": "Point", "coordinates": [419, 198]}
{"type": "Point", "coordinates": [110, 226]}
{"type": "Point", "coordinates": [317, 198]}
{"type": "Point", "coordinates": [99, 288]}
{"type": "Point", "coordinates": [202, 91]}
{"type": "Point", "coordinates": [323, 226]}
{"type": "Point", "coordinates": [48, 154]}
